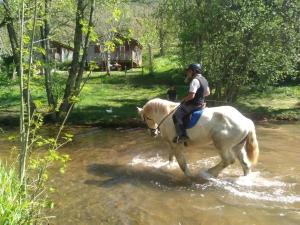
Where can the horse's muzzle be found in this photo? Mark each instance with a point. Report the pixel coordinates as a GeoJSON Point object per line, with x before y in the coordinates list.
{"type": "Point", "coordinates": [154, 132]}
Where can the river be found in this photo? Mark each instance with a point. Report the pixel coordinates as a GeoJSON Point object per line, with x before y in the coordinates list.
{"type": "Point", "coordinates": [123, 177]}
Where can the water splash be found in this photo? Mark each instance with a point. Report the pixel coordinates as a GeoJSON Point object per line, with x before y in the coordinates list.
{"type": "Point", "coordinates": [248, 187]}
{"type": "Point", "coordinates": [155, 162]}
{"type": "Point", "coordinates": [159, 162]}
{"type": "Point", "coordinates": [254, 186]}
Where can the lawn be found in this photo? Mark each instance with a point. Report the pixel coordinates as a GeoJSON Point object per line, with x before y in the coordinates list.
{"type": "Point", "coordinates": [112, 100]}
{"type": "Point", "coordinates": [106, 100]}
{"type": "Point", "coordinates": [281, 103]}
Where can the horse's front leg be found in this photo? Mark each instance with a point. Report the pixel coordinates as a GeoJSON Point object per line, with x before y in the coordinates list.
{"type": "Point", "coordinates": [171, 153]}
{"type": "Point", "coordinates": [181, 160]}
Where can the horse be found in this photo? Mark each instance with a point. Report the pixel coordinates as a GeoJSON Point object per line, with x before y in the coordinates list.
{"type": "Point", "coordinates": [232, 134]}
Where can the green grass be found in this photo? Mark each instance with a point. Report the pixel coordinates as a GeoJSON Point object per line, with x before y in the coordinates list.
{"type": "Point", "coordinates": [15, 207]}
{"type": "Point", "coordinates": [122, 92]}
{"type": "Point", "coordinates": [281, 103]}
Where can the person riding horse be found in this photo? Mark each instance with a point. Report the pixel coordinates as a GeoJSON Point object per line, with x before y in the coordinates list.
{"type": "Point", "coordinates": [198, 90]}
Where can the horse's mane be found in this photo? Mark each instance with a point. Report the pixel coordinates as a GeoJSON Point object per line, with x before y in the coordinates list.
{"type": "Point", "coordinates": [158, 105]}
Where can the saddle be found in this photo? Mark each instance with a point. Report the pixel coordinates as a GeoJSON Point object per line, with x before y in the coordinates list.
{"type": "Point", "coordinates": [191, 119]}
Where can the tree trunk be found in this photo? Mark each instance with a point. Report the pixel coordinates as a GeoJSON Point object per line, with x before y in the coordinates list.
{"type": "Point", "coordinates": [13, 38]}
{"type": "Point", "coordinates": [85, 48]}
{"type": "Point", "coordinates": [45, 44]}
{"type": "Point", "coordinates": [150, 59]}
{"type": "Point", "coordinates": [161, 41]}
{"type": "Point", "coordinates": [77, 67]}
{"type": "Point", "coordinates": [218, 91]}
{"type": "Point", "coordinates": [32, 106]}
{"type": "Point", "coordinates": [14, 45]}
{"type": "Point", "coordinates": [23, 142]}
{"type": "Point", "coordinates": [183, 52]}
{"type": "Point", "coordinates": [14, 76]}
{"type": "Point", "coordinates": [107, 63]}
{"type": "Point", "coordinates": [70, 85]}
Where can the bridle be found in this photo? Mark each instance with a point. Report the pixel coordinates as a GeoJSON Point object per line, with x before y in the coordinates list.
{"type": "Point", "coordinates": [153, 130]}
{"type": "Point", "coordinates": [157, 130]}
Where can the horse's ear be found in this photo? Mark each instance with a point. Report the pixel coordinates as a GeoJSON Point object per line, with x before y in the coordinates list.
{"type": "Point", "coordinates": [139, 110]}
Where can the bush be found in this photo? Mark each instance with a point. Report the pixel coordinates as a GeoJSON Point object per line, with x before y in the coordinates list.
{"type": "Point", "coordinates": [6, 64]}
{"type": "Point", "coordinates": [64, 66]}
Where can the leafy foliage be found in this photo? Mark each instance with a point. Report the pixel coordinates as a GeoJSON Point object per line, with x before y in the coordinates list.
{"type": "Point", "coordinates": [239, 42]}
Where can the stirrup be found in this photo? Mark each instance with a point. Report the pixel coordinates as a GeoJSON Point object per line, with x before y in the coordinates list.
{"type": "Point", "coordinates": [175, 139]}
{"type": "Point", "coordinates": [180, 139]}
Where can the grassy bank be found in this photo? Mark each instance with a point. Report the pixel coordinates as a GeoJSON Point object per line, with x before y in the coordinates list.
{"type": "Point", "coordinates": [277, 103]}
{"type": "Point", "coordinates": [105, 100]}
{"type": "Point", "coordinates": [112, 100]}
{"type": "Point", "coordinates": [15, 205]}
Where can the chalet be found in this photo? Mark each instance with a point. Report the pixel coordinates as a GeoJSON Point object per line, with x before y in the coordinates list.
{"type": "Point", "coordinates": [61, 52]}
{"type": "Point", "coordinates": [128, 54]}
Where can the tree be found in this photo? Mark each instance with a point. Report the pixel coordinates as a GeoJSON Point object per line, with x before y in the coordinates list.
{"type": "Point", "coordinates": [239, 42]}
{"type": "Point", "coordinates": [112, 27]}
{"type": "Point", "coordinates": [8, 20]}
{"type": "Point", "coordinates": [78, 62]}
{"type": "Point", "coordinates": [30, 195]}
{"type": "Point", "coordinates": [45, 44]}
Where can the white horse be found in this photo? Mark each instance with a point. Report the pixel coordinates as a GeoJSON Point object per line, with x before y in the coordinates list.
{"type": "Point", "coordinates": [232, 134]}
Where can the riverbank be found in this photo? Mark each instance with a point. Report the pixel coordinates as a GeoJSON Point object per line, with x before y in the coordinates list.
{"type": "Point", "coordinates": [111, 101]}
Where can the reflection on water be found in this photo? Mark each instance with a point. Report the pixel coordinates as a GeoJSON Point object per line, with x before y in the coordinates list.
{"type": "Point", "coordinates": [124, 177]}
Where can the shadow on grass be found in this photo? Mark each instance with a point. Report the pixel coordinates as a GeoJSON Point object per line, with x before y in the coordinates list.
{"type": "Point", "coordinates": [265, 112]}
{"type": "Point", "coordinates": [173, 76]}
{"type": "Point", "coordinates": [8, 100]}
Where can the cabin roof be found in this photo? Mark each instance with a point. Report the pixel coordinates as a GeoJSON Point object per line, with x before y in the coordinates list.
{"type": "Point", "coordinates": [59, 44]}
{"type": "Point", "coordinates": [132, 41]}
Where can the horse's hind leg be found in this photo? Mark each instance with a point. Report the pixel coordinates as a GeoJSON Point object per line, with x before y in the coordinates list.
{"type": "Point", "coordinates": [241, 154]}
{"type": "Point", "coordinates": [227, 159]}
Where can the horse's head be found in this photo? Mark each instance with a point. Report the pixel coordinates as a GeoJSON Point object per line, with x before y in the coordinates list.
{"type": "Point", "coordinates": [147, 116]}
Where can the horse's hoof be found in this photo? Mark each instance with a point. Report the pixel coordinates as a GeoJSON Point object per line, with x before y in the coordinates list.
{"type": "Point", "coordinates": [205, 175]}
{"type": "Point", "coordinates": [247, 172]}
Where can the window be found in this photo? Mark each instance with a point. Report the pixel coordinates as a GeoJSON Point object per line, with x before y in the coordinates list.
{"type": "Point", "coordinates": [122, 53]}
{"type": "Point", "coordinates": [97, 49]}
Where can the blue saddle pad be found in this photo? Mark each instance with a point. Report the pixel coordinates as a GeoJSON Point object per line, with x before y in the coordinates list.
{"type": "Point", "coordinates": [193, 118]}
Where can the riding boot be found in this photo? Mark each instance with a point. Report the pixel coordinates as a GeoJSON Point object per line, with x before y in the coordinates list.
{"type": "Point", "coordinates": [181, 133]}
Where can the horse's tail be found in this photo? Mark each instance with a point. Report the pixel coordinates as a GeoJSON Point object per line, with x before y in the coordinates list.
{"type": "Point", "coordinates": [252, 146]}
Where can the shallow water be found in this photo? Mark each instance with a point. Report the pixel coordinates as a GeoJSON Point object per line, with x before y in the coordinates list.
{"type": "Point", "coordinates": [123, 177]}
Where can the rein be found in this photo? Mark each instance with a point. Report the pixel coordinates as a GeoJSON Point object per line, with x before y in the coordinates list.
{"type": "Point", "coordinates": [163, 120]}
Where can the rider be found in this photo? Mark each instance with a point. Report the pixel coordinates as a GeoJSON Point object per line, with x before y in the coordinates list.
{"type": "Point", "coordinates": [195, 99]}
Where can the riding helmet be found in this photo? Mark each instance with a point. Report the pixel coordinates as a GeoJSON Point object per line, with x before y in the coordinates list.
{"type": "Point", "coordinates": [195, 67]}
